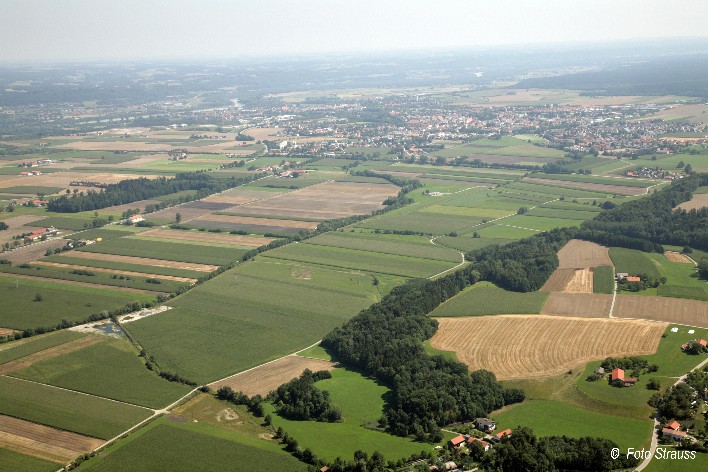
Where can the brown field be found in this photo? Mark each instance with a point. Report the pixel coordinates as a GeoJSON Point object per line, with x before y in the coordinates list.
{"type": "Point", "coordinates": [672, 310]}
{"type": "Point", "coordinates": [582, 282]}
{"type": "Point", "coordinates": [231, 200]}
{"type": "Point", "coordinates": [51, 353]}
{"type": "Point", "coordinates": [678, 257]}
{"type": "Point", "coordinates": [542, 346]}
{"type": "Point", "coordinates": [558, 280]}
{"type": "Point", "coordinates": [605, 188]}
{"type": "Point", "coordinates": [62, 179]}
{"type": "Point", "coordinates": [32, 252]}
{"type": "Point", "coordinates": [247, 220]}
{"type": "Point", "coordinates": [114, 271]}
{"type": "Point", "coordinates": [16, 221]}
{"type": "Point", "coordinates": [265, 378]}
{"type": "Point", "coordinates": [188, 211]}
{"type": "Point", "coordinates": [324, 201]}
{"type": "Point", "coordinates": [43, 441]}
{"type": "Point", "coordinates": [698, 201]}
{"type": "Point", "coordinates": [144, 261]}
{"type": "Point", "coordinates": [120, 145]}
{"type": "Point", "coordinates": [586, 305]}
{"type": "Point", "coordinates": [200, 236]}
{"type": "Point", "coordinates": [578, 254]}
{"type": "Point", "coordinates": [82, 284]}
{"type": "Point", "coordinates": [130, 206]}
{"type": "Point", "coordinates": [7, 331]}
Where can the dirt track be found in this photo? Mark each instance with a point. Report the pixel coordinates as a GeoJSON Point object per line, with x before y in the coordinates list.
{"type": "Point", "coordinates": [585, 305]}
{"type": "Point", "coordinates": [265, 378]}
{"type": "Point", "coordinates": [527, 346]}
{"type": "Point", "coordinates": [673, 310]}
{"type": "Point", "coordinates": [51, 353]}
{"type": "Point", "coordinates": [43, 441]}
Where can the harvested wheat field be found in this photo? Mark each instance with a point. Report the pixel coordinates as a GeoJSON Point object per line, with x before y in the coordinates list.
{"type": "Point", "coordinates": [144, 261]}
{"type": "Point", "coordinates": [229, 199]}
{"type": "Point", "coordinates": [42, 441]}
{"type": "Point", "coordinates": [678, 257]}
{"type": "Point", "coordinates": [586, 305]}
{"type": "Point", "coordinates": [32, 252]}
{"type": "Point", "coordinates": [604, 188]}
{"type": "Point", "coordinates": [324, 201]}
{"type": "Point", "coordinates": [582, 282]}
{"type": "Point", "coordinates": [698, 201]}
{"type": "Point", "coordinates": [559, 279]}
{"type": "Point", "coordinates": [247, 220]}
{"type": "Point", "coordinates": [542, 346]}
{"type": "Point", "coordinates": [200, 236]}
{"type": "Point", "coordinates": [115, 271]}
{"type": "Point", "coordinates": [267, 377]}
{"type": "Point", "coordinates": [577, 254]}
{"type": "Point", "coordinates": [51, 353]}
{"type": "Point", "coordinates": [16, 221]}
{"type": "Point", "coordinates": [673, 310]}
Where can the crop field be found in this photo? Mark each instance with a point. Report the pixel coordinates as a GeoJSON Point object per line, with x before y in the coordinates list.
{"type": "Point", "coordinates": [594, 187]}
{"type": "Point", "coordinates": [107, 233]}
{"type": "Point", "coordinates": [484, 298]}
{"type": "Point", "coordinates": [186, 446]}
{"type": "Point", "coordinates": [633, 262]}
{"type": "Point", "coordinates": [70, 411]}
{"type": "Point", "coordinates": [570, 281]}
{"type": "Point", "coordinates": [119, 267]}
{"type": "Point", "coordinates": [621, 181]}
{"type": "Point", "coordinates": [59, 301]}
{"type": "Point", "coordinates": [677, 257]}
{"type": "Point", "coordinates": [542, 345]}
{"type": "Point", "coordinates": [229, 221]}
{"type": "Point", "coordinates": [538, 223]}
{"type": "Point", "coordinates": [361, 401]}
{"type": "Point", "coordinates": [117, 272]}
{"type": "Point", "coordinates": [32, 252]}
{"type": "Point", "coordinates": [573, 421]}
{"type": "Point", "coordinates": [696, 203]}
{"type": "Point", "coordinates": [466, 244]}
{"type": "Point", "coordinates": [578, 254]}
{"type": "Point", "coordinates": [365, 261]}
{"type": "Point", "coordinates": [603, 280]}
{"type": "Point", "coordinates": [42, 441]}
{"type": "Point", "coordinates": [372, 243]}
{"type": "Point", "coordinates": [149, 264]}
{"type": "Point", "coordinates": [200, 236]}
{"type": "Point", "coordinates": [110, 369]}
{"type": "Point", "coordinates": [12, 460]}
{"type": "Point", "coordinates": [263, 379]}
{"type": "Point", "coordinates": [170, 251]}
{"type": "Point", "coordinates": [672, 310]}
{"type": "Point", "coordinates": [235, 313]}
{"type": "Point", "coordinates": [49, 353]}
{"type": "Point", "coordinates": [25, 347]}
{"type": "Point", "coordinates": [61, 222]}
{"type": "Point", "coordinates": [545, 189]}
{"type": "Point", "coordinates": [586, 305]}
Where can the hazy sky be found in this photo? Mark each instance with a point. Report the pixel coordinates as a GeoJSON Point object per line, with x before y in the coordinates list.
{"type": "Point", "coordinates": [56, 30]}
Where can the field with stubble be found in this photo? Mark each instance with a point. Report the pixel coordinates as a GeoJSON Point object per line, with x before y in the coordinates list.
{"type": "Point", "coordinates": [530, 346]}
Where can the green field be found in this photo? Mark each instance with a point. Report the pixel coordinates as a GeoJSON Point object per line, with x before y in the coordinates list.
{"type": "Point", "coordinates": [71, 411]}
{"type": "Point", "coordinates": [421, 222]}
{"type": "Point", "coordinates": [190, 447]}
{"type": "Point", "coordinates": [110, 369]}
{"type": "Point", "coordinates": [603, 280]}
{"type": "Point", "coordinates": [539, 223]}
{"type": "Point", "coordinates": [59, 301]}
{"type": "Point", "coordinates": [61, 222]}
{"type": "Point", "coordinates": [106, 233]}
{"type": "Point", "coordinates": [682, 280]}
{"type": "Point", "coordinates": [555, 418]}
{"type": "Point", "coordinates": [239, 319]}
{"type": "Point", "coordinates": [361, 401]}
{"type": "Point", "coordinates": [466, 244]}
{"type": "Point", "coordinates": [633, 262]}
{"type": "Point", "coordinates": [550, 190]}
{"type": "Point", "coordinates": [484, 298]}
{"type": "Point", "coordinates": [66, 258]}
{"type": "Point", "coordinates": [666, 464]}
{"type": "Point", "coordinates": [32, 189]}
{"type": "Point", "coordinates": [624, 182]}
{"type": "Point", "coordinates": [170, 251]}
{"type": "Point", "coordinates": [11, 461]}
{"type": "Point", "coordinates": [367, 261]}
{"type": "Point", "coordinates": [24, 347]}
{"type": "Point", "coordinates": [501, 231]}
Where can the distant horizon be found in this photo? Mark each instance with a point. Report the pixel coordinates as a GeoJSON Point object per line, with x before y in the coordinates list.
{"type": "Point", "coordinates": [71, 31]}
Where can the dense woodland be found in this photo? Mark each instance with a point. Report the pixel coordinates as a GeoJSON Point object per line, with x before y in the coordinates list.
{"type": "Point", "coordinates": [133, 190]}
{"type": "Point", "coordinates": [647, 223]}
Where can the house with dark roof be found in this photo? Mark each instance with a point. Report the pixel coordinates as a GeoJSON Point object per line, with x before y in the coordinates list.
{"type": "Point", "coordinates": [485, 424]}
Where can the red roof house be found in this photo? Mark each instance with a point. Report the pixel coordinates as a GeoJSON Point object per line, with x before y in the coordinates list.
{"type": "Point", "coordinates": [456, 441]}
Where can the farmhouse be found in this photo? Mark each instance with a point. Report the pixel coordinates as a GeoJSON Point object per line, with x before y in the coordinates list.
{"type": "Point", "coordinates": [39, 233]}
{"type": "Point", "coordinates": [700, 342]}
{"type": "Point", "coordinates": [675, 425]}
{"type": "Point", "coordinates": [485, 444]}
{"type": "Point", "coordinates": [501, 435]}
{"type": "Point", "coordinates": [619, 379]}
{"type": "Point", "coordinates": [674, 434]}
{"type": "Point", "coordinates": [485, 424]}
{"type": "Point", "coordinates": [457, 441]}
{"type": "Point", "coordinates": [136, 219]}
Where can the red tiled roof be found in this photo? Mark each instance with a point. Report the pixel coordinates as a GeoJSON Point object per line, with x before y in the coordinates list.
{"type": "Point", "coordinates": [456, 441]}
{"type": "Point", "coordinates": [501, 434]}
{"type": "Point", "coordinates": [673, 425]}
{"type": "Point", "coordinates": [617, 374]}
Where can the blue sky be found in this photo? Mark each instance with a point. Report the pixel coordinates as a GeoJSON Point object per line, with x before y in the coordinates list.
{"type": "Point", "coordinates": [56, 30]}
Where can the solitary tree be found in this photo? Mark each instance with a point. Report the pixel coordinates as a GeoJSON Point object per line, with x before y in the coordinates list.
{"type": "Point", "coordinates": [178, 217]}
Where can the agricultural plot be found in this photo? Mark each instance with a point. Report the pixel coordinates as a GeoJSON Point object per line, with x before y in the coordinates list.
{"type": "Point", "coordinates": [364, 261]}
{"type": "Point", "coordinates": [484, 298]}
{"type": "Point", "coordinates": [110, 369]}
{"type": "Point", "coordinates": [263, 379]}
{"type": "Point", "coordinates": [577, 254]}
{"type": "Point", "coordinates": [25, 347]}
{"type": "Point", "coordinates": [253, 224]}
{"type": "Point", "coordinates": [428, 223]}
{"type": "Point", "coordinates": [570, 281]}
{"type": "Point", "coordinates": [12, 460]}
{"type": "Point", "coordinates": [239, 320]}
{"type": "Point", "coordinates": [586, 305]}
{"type": "Point", "coordinates": [129, 274]}
{"type": "Point", "coordinates": [542, 345]}
{"type": "Point", "coordinates": [32, 252]}
{"type": "Point", "coordinates": [187, 446]}
{"type": "Point", "coordinates": [570, 190]}
{"type": "Point", "coordinates": [137, 264]}
{"type": "Point", "coordinates": [70, 411]}
{"type": "Point", "coordinates": [633, 262]}
{"type": "Point", "coordinates": [538, 223]}
{"type": "Point", "coordinates": [211, 238]}
{"type": "Point", "coordinates": [58, 302]}
{"type": "Point", "coordinates": [466, 244]}
{"type": "Point", "coordinates": [49, 353]}
{"type": "Point", "coordinates": [672, 310]}
{"type": "Point", "coordinates": [165, 250]}
{"type": "Point", "coordinates": [603, 279]}
{"type": "Point", "coordinates": [361, 401]}
{"type": "Point", "coordinates": [616, 189]}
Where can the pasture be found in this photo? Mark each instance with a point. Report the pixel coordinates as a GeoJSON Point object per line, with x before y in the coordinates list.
{"type": "Point", "coordinates": [541, 345]}
{"type": "Point", "coordinates": [484, 298]}
{"type": "Point", "coordinates": [633, 262]}
{"type": "Point", "coordinates": [70, 411]}
{"type": "Point", "coordinates": [239, 320]}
